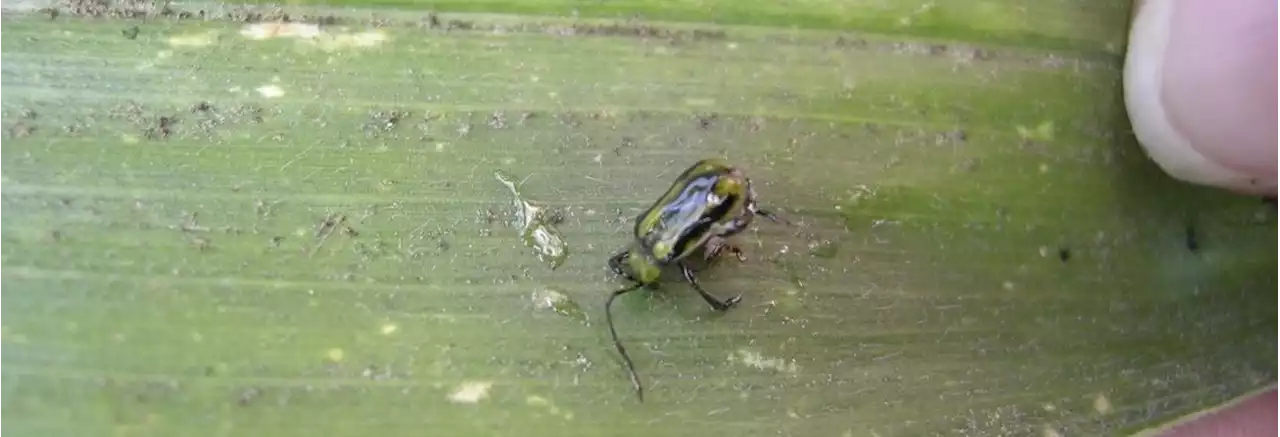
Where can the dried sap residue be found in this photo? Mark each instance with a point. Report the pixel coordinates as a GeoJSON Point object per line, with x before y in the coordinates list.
{"type": "Point", "coordinates": [560, 303]}
{"type": "Point", "coordinates": [535, 229]}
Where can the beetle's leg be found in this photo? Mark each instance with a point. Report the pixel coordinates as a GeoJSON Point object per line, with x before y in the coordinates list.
{"type": "Point", "coordinates": [715, 303]}
{"type": "Point", "coordinates": [717, 245]}
{"type": "Point", "coordinates": [754, 207]}
{"type": "Point", "coordinates": [771, 216]}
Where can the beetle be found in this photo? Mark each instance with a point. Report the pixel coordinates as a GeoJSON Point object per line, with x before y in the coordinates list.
{"type": "Point", "coordinates": [709, 202]}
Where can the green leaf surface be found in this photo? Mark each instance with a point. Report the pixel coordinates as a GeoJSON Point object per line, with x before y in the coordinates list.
{"type": "Point", "coordinates": [208, 234]}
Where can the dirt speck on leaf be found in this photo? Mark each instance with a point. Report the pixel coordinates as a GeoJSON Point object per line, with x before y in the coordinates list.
{"type": "Point", "coordinates": [704, 120]}
{"type": "Point", "coordinates": [117, 8]}
{"type": "Point", "coordinates": [162, 128]}
{"type": "Point", "coordinates": [956, 136]}
{"type": "Point", "coordinates": [432, 21]}
{"type": "Point", "coordinates": [498, 120]}
{"type": "Point", "coordinates": [823, 249]}
{"type": "Point", "coordinates": [247, 396]}
{"type": "Point", "coordinates": [756, 360]}
{"type": "Point", "coordinates": [459, 25]}
{"type": "Point", "coordinates": [383, 121]}
{"type": "Point", "coordinates": [25, 126]}
{"type": "Point", "coordinates": [21, 129]}
{"type": "Point", "coordinates": [634, 30]}
{"type": "Point", "coordinates": [1191, 238]}
{"type": "Point", "coordinates": [326, 229]}
{"type": "Point", "coordinates": [202, 244]}
{"type": "Point", "coordinates": [201, 106]}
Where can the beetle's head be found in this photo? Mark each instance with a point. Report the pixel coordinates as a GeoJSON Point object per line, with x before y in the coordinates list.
{"type": "Point", "coordinates": [734, 183]}
{"type": "Point", "coordinates": [644, 269]}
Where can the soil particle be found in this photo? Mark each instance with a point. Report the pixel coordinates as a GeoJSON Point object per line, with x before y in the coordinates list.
{"type": "Point", "coordinates": [498, 120]}
{"type": "Point", "coordinates": [162, 128]}
{"type": "Point", "coordinates": [705, 120]}
{"type": "Point", "coordinates": [21, 129]}
{"type": "Point", "coordinates": [568, 119]}
{"type": "Point", "coordinates": [432, 21]}
{"type": "Point", "coordinates": [25, 126]}
{"type": "Point", "coordinates": [383, 121]}
{"type": "Point", "coordinates": [201, 106]}
{"type": "Point", "coordinates": [1191, 238]}
{"type": "Point", "coordinates": [248, 395]}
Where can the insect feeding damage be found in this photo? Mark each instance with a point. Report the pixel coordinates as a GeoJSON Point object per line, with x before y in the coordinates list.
{"type": "Point", "coordinates": [708, 203]}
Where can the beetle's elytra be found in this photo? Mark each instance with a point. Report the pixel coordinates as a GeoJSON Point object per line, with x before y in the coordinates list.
{"type": "Point", "coordinates": [708, 203]}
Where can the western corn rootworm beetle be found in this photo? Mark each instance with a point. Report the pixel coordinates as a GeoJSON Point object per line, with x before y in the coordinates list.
{"type": "Point", "coordinates": [708, 203]}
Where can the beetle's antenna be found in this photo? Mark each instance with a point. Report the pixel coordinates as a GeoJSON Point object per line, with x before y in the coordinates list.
{"type": "Point", "coordinates": [608, 315]}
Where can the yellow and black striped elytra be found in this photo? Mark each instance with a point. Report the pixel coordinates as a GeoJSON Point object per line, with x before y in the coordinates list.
{"type": "Point", "coordinates": [708, 203]}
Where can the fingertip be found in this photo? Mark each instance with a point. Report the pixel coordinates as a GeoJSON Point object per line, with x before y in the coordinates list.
{"type": "Point", "coordinates": [1220, 82]}
{"type": "Point", "coordinates": [1254, 415]}
{"type": "Point", "coordinates": [1227, 140]}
